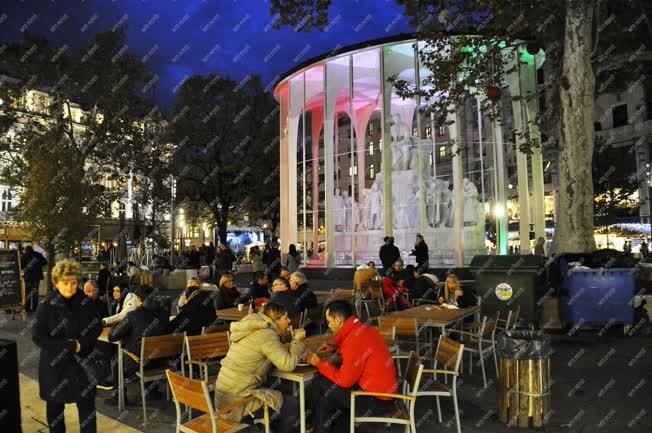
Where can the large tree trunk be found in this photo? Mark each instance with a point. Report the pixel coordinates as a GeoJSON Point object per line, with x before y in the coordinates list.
{"type": "Point", "coordinates": [574, 222]}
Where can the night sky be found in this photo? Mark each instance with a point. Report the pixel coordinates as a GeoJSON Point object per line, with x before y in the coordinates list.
{"type": "Point", "coordinates": [188, 37]}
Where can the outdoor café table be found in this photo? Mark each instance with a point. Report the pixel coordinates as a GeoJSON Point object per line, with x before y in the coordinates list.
{"type": "Point", "coordinates": [232, 314]}
{"type": "Point", "coordinates": [104, 336]}
{"type": "Point", "coordinates": [303, 374]}
{"type": "Point", "coordinates": [433, 316]}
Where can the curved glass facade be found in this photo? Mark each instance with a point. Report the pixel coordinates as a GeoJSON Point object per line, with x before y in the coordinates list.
{"type": "Point", "coordinates": [359, 163]}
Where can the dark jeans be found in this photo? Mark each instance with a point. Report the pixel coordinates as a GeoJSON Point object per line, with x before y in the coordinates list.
{"type": "Point", "coordinates": [331, 405]}
{"type": "Point", "coordinates": [287, 419]}
{"type": "Point", "coordinates": [31, 295]}
{"type": "Point", "coordinates": [85, 408]}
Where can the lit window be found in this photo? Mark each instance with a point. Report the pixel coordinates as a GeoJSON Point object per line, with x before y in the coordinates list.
{"type": "Point", "coordinates": [441, 131]}
{"type": "Point", "coordinates": [428, 132]}
{"type": "Point", "coordinates": [371, 148]}
{"type": "Point", "coordinates": [372, 172]}
{"type": "Point", "coordinates": [430, 157]}
{"type": "Point", "coordinates": [353, 170]}
{"type": "Point", "coordinates": [442, 151]}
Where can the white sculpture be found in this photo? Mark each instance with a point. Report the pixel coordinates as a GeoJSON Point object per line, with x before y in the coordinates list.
{"type": "Point", "coordinates": [338, 211]}
{"type": "Point", "coordinates": [347, 210]}
{"type": "Point", "coordinates": [357, 216]}
{"type": "Point", "coordinates": [375, 208]}
{"type": "Point", "coordinates": [470, 202]}
{"type": "Point", "coordinates": [412, 209]}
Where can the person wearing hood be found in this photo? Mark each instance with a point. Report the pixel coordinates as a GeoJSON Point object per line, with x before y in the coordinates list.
{"type": "Point", "coordinates": [149, 319]}
{"type": "Point", "coordinates": [388, 254]}
{"type": "Point", "coordinates": [256, 347]}
{"type": "Point", "coordinates": [197, 311]}
{"type": "Point", "coordinates": [66, 331]}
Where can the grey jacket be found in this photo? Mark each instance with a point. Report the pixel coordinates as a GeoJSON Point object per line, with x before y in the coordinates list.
{"type": "Point", "coordinates": [255, 349]}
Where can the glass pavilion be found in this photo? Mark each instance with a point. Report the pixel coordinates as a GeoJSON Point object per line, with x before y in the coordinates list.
{"type": "Point", "coordinates": [359, 163]}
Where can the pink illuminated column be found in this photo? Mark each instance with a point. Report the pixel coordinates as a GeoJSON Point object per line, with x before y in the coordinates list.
{"type": "Point", "coordinates": [284, 180]}
{"type": "Point", "coordinates": [317, 123]}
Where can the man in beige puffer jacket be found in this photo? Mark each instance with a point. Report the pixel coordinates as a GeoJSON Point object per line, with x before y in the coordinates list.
{"type": "Point", "coordinates": [256, 347]}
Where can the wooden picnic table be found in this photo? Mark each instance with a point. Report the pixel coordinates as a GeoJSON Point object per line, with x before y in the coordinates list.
{"type": "Point", "coordinates": [232, 314]}
{"type": "Point", "coordinates": [434, 315]}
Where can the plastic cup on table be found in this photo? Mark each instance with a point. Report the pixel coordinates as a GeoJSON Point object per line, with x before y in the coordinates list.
{"type": "Point", "coordinates": [240, 307]}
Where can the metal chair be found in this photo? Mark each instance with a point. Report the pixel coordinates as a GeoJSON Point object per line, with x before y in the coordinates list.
{"type": "Point", "coordinates": [507, 322]}
{"type": "Point", "coordinates": [449, 356]}
{"type": "Point", "coordinates": [409, 398]}
{"type": "Point", "coordinates": [194, 394]}
{"type": "Point", "coordinates": [482, 343]}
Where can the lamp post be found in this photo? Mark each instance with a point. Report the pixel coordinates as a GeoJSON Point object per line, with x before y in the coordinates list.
{"type": "Point", "coordinates": [173, 193]}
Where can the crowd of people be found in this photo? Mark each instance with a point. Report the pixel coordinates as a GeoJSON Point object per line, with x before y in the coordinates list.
{"type": "Point", "coordinates": [74, 363]}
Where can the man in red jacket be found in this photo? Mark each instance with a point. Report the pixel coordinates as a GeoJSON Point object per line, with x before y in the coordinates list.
{"type": "Point", "coordinates": [366, 365]}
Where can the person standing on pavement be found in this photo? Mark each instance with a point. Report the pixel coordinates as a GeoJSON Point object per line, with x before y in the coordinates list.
{"type": "Point", "coordinates": [66, 331]}
{"type": "Point", "coordinates": [103, 279]}
{"type": "Point", "coordinates": [32, 263]}
{"type": "Point", "coordinates": [273, 262]}
{"type": "Point", "coordinates": [292, 259]}
{"type": "Point", "coordinates": [420, 252]}
{"type": "Point", "coordinates": [388, 253]}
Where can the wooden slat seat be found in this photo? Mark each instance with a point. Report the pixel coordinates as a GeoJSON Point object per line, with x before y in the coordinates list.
{"type": "Point", "coordinates": [203, 424]}
{"type": "Point", "coordinates": [194, 394]}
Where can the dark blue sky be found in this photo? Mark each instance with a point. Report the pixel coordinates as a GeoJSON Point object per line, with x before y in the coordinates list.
{"type": "Point", "coordinates": [188, 37]}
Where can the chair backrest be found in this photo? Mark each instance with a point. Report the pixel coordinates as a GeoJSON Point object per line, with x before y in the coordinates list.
{"type": "Point", "coordinates": [209, 346]}
{"type": "Point", "coordinates": [163, 346]}
{"type": "Point", "coordinates": [377, 293]}
{"type": "Point", "coordinates": [387, 331]}
{"type": "Point", "coordinates": [508, 322]}
{"type": "Point", "coordinates": [341, 293]}
{"type": "Point", "coordinates": [213, 329]}
{"type": "Point", "coordinates": [413, 373]}
{"type": "Point", "coordinates": [489, 325]}
{"type": "Point", "coordinates": [404, 327]}
{"type": "Point", "coordinates": [190, 392]}
{"type": "Point", "coordinates": [449, 353]}
{"type": "Point", "coordinates": [517, 312]}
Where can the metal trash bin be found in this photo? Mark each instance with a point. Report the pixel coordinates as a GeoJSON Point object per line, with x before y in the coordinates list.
{"type": "Point", "coordinates": [508, 282]}
{"type": "Point", "coordinates": [598, 296]}
{"type": "Point", "coordinates": [524, 378]}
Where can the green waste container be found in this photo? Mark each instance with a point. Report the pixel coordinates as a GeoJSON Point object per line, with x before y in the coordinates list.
{"type": "Point", "coordinates": [507, 282]}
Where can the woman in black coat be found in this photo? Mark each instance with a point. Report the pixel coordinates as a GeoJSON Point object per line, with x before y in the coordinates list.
{"type": "Point", "coordinates": [66, 331]}
{"type": "Point", "coordinates": [197, 312]}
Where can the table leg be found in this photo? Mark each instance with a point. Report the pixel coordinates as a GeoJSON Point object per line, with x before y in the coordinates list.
{"type": "Point", "coordinates": [302, 405]}
{"type": "Point", "coordinates": [121, 380]}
